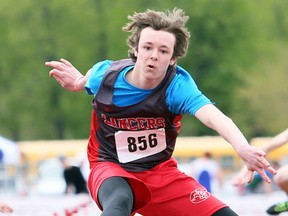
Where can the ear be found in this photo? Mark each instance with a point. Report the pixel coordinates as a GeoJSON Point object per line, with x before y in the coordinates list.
{"type": "Point", "coordinates": [173, 61]}
{"type": "Point", "coordinates": [135, 52]}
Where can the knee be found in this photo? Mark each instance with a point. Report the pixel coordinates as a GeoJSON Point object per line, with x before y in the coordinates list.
{"type": "Point", "coordinates": [122, 198]}
{"type": "Point", "coordinates": [117, 198]}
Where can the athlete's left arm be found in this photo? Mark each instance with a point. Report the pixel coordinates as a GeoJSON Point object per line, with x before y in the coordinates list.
{"type": "Point", "coordinates": [276, 142]}
{"type": "Point", "coordinates": [253, 157]}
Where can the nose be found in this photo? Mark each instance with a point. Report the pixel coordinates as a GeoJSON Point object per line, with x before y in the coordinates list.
{"type": "Point", "coordinates": [154, 55]}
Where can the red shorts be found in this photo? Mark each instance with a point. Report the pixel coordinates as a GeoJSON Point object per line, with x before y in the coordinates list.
{"type": "Point", "coordinates": [163, 190]}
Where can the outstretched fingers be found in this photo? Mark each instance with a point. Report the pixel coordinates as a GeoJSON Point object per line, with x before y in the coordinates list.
{"type": "Point", "coordinates": [54, 73]}
{"type": "Point", "coordinates": [265, 165]}
{"type": "Point", "coordinates": [59, 80]}
{"type": "Point", "coordinates": [255, 161]}
{"type": "Point", "coordinates": [65, 74]}
{"type": "Point", "coordinates": [66, 62]}
{"type": "Point", "coordinates": [57, 65]}
{"type": "Point", "coordinates": [250, 176]}
{"type": "Point", "coordinates": [263, 174]}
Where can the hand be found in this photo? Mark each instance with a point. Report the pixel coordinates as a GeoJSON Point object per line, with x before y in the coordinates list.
{"type": "Point", "coordinates": [255, 160]}
{"type": "Point", "coordinates": [241, 177]}
{"type": "Point", "coordinates": [65, 74]}
{"type": "Point", "coordinates": [5, 208]}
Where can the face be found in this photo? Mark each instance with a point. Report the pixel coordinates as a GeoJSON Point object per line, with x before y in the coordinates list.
{"type": "Point", "coordinates": [154, 54]}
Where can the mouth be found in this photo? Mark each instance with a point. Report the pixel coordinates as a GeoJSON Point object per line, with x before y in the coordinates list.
{"type": "Point", "coordinates": [150, 66]}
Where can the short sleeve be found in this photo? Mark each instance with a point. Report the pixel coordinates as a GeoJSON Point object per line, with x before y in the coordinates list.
{"type": "Point", "coordinates": [96, 75]}
{"type": "Point", "coordinates": [183, 95]}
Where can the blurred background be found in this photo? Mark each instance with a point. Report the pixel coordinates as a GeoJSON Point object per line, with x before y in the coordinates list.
{"type": "Point", "coordinates": [237, 56]}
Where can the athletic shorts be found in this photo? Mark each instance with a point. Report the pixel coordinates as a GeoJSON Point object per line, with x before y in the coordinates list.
{"type": "Point", "coordinates": [163, 190]}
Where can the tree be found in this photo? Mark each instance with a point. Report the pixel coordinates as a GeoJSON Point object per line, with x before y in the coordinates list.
{"type": "Point", "coordinates": [234, 47]}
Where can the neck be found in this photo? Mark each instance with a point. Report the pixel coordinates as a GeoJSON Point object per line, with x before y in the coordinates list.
{"type": "Point", "coordinates": [139, 81]}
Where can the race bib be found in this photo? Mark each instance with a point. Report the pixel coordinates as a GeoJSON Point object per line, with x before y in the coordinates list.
{"type": "Point", "coordinates": [133, 145]}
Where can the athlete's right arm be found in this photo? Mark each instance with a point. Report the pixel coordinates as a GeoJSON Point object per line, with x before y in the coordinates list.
{"type": "Point", "coordinates": [67, 75]}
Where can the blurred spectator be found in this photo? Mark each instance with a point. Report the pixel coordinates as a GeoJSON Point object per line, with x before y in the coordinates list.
{"type": "Point", "coordinates": [207, 171]}
{"type": "Point", "coordinates": [1, 156]}
{"type": "Point", "coordinates": [83, 163]}
{"type": "Point", "coordinates": [75, 182]}
{"type": "Point", "coordinates": [2, 167]}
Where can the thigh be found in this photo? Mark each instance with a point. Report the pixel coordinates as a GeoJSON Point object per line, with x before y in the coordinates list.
{"type": "Point", "coordinates": [104, 170]}
{"type": "Point", "coordinates": [116, 197]}
{"type": "Point", "coordinates": [182, 195]}
{"type": "Point", "coordinates": [114, 188]}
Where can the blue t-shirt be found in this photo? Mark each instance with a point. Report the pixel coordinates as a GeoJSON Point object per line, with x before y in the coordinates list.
{"type": "Point", "coordinates": [182, 95]}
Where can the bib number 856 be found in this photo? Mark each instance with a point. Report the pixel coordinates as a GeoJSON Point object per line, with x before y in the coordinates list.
{"type": "Point", "coordinates": [142, 142]}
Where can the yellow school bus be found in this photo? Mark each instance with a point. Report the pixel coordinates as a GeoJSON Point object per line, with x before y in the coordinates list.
{"type": "Point", "coordinates": [186, 149]}
{"type": "Point", "coordinates": [34, 152]}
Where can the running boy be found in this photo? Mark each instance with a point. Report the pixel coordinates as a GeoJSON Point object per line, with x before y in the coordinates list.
{"type": "Point", "coordinates": [137, 107]}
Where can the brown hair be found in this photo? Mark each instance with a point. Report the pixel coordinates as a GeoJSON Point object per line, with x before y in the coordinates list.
{"type": "Point", "coordinates": [171, 21]}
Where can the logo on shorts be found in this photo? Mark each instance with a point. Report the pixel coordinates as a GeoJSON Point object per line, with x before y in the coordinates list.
{"type": "Point", "coordinates": [199, 195]}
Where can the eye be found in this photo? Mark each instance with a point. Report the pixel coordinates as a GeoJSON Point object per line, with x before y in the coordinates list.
{"type": "Point", "coordinates": [147, 47]}
{"type": "Point", "coordinates": [163, 51]}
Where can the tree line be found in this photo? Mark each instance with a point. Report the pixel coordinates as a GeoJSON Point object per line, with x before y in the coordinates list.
{"type": "Point", "coordinates": [237, 56]}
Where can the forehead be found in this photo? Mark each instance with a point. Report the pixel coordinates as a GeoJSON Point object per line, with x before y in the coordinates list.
{"type": "Point", "coordinates": [157, 37]}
